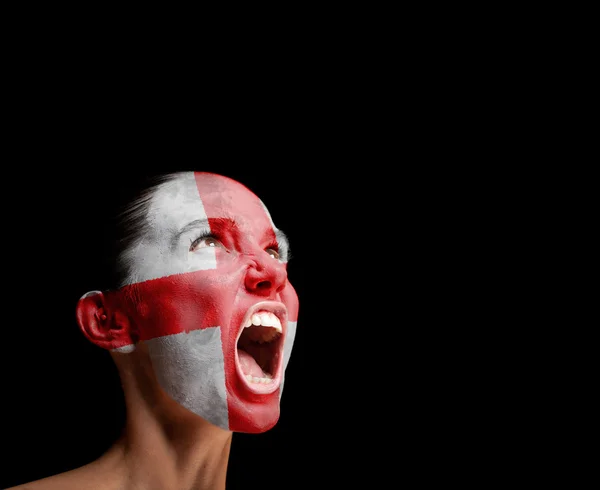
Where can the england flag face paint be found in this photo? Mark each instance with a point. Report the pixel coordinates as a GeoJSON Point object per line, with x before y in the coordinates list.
{"type": "Point", "coordinates": [208, 294]}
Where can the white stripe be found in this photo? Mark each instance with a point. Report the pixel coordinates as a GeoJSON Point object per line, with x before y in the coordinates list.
{"type": "Point", "coordinates": [191, 369]}
{"type": "Point", "coordinates": [287, 349]}
{"type": "Point", "coordinates": [268, 214]}
{"type": "Point", "coordinates": [126, 349]}
{"type": "Point", "coordinates": [174, 205]}
{"type": "Point", "coordinates": [289, 342]}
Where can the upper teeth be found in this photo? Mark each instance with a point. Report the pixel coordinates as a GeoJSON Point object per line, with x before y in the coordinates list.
{"type": "Point", "coordinates": [264, 318]}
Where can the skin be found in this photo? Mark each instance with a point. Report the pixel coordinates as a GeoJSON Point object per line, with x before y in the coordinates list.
{"type": "Point", "coordinates": [166, 445]}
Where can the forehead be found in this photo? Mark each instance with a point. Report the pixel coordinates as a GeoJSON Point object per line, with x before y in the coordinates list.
{"type": "Point", "coordinates": [201, 195]}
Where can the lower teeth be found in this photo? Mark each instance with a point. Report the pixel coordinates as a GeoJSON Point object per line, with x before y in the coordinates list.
{"type": "Point", "coordinates": [255, 379]}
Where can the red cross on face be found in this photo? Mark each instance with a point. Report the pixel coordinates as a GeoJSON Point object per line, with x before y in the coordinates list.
{"type": "Point", "coordinates": [209, 295]}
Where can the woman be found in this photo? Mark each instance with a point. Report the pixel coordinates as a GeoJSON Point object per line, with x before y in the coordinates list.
{"type": "Point", "coordinates": [200, 329]}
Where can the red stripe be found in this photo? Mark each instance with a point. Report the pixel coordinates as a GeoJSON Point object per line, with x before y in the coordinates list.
{"type": "Point", "coordinates": [219, 297]}
{"type": "Point", "coordinates": [255, 233]}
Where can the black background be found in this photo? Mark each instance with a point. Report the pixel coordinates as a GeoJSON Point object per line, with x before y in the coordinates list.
{"type": "Point", "coordinates": [381, 379]}
{"type": "Point", "coordinates": [62, 403]}
{"type": "Point", "coordinates": [372, 181]}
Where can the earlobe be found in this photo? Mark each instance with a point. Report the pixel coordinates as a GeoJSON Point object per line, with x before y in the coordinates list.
{"type": "Point", "coordinates": [102, 325]}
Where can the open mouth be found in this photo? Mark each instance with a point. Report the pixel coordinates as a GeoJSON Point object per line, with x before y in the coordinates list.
{"type": "Point", "coordinates": [259, 347]}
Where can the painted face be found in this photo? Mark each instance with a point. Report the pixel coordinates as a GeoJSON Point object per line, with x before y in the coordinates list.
{"type": "Point", "coordinates": [210, 297]}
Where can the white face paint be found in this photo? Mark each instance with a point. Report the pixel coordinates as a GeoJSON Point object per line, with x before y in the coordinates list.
{"type": "Point", "coordinates": [211, 261]}
{"type": "Point", "coordinates": [158, 253]}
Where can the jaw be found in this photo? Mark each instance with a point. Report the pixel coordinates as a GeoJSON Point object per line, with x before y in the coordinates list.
{"type": "Point", "coordinates": [259, 348]}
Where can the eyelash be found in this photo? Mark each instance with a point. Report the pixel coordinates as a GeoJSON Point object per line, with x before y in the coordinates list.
{"type": "Point", "coordinates": [201, 236]}
{"type": "Point", "coordinates": [273, 246]}
{"type": "Point", "coordinates": [208, 234]}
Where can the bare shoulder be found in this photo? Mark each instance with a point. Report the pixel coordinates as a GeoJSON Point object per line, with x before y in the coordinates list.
{"type": "Point", "coordinates": [89, 477]}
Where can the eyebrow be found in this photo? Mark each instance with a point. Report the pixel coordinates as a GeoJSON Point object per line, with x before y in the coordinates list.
{"type": "Point", "coordinates": [197, 223]}
{"type": "Point", "coordinates": [192, 225]}
{"type": "Point", "coordinates": [281, 237]}
{"type": "Point", "coordinates": [283, 245]}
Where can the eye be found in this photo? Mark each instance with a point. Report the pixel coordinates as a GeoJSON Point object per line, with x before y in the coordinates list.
{"type": "Point", "coordinates": [205, 241]}
{"type": "Point", "coordinates": [273, 253]}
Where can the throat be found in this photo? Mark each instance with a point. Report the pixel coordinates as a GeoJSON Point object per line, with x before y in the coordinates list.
{"type": "Point", "coordinates": [190, 454]}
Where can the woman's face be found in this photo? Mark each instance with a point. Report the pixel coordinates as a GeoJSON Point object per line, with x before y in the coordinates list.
{"type": "Point", "coordinates": [208, 293]}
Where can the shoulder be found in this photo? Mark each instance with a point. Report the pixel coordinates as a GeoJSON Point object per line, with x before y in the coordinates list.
{"type": "Point", "coordinates": [88, 477]}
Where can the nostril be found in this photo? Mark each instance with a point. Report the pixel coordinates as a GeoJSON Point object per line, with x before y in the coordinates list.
{"type": "Point", "coordinates": [263, 285]}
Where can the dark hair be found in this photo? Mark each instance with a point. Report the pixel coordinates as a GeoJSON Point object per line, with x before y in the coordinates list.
{"type": "Point", "coordinates": [119, 219]}
{"type": "Point", "coordinates": [131, 223]}
{"type": "Point", "coordinates": [120, 211]}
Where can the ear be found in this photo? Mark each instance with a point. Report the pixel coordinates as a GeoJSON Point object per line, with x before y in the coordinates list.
{"type": "Point", "coordinates": [105, 327]}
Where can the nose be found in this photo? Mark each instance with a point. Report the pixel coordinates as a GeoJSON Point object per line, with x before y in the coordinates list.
{"type": "Point", "coordinates": [265, 276]}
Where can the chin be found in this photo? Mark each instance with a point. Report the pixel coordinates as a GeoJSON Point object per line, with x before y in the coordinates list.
{"type": "Point", "coordinates": [254, 417]}
{"type": "Point", "coordinates": [254, 373]}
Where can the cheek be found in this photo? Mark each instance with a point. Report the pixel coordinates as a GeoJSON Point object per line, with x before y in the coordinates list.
{"type": "Point", "coordinates": [289, 298]}
{"type": "Point", "coordinates": [185, 302]}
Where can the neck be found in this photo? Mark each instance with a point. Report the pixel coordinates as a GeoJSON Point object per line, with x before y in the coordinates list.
{"type": "Point", "coordinates": [166, 446]}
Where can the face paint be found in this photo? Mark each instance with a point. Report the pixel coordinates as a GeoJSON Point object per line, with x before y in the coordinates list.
{"type": "Point", "coordinates": [210, 297]}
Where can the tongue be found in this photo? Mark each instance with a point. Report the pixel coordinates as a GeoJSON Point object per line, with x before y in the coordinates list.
{"type": "Point", "coordinates": [249, 365]}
